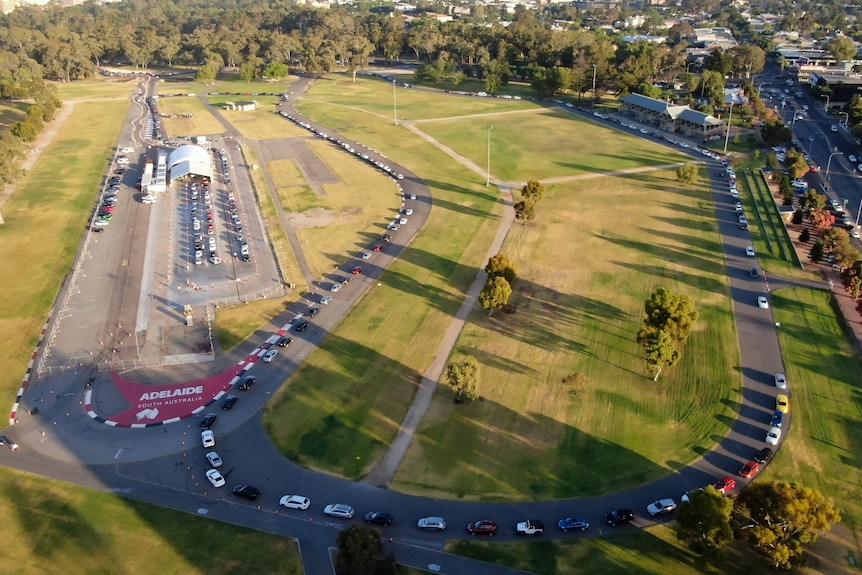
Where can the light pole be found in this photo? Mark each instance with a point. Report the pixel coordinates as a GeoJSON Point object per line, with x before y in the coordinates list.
{"type": "Point", "coordinates": [488, 181]}
{"type": "Point", "coordinates": [689, 65]}
{"type": "Point", "coordinates": [846, 117]}
{"type": "Point", "coordinates": [857, 214]}
{"type": "Point", "coordinates": [594, 85]}
{"type": "Point", "coordinates": [829, 162]}
{"type": "Point", "coordinates": [727, 134]}
{"type": "Point", "coordinates": [394, 104]}
{"type": "Point", "coordinates": [826, 108]}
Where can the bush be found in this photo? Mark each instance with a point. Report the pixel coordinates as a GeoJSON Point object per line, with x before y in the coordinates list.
{"type": "Point", "coordinates": [805, 236]}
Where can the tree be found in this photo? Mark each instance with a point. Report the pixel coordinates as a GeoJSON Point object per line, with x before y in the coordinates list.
{"type": "Point", "coordinates": [775, 133]}
{"type": "Point", "coordinates": [777, 519]}
{"type": "Point", "coordinates": [247, 71]}
{"type": "Point", "coordinates": [359, 550]}
{"type": "Point", "coordinates": [525, 210]}
{"type": "Point", "coordinates": [500, 265]}
{"type": "Point", "coordinates": [841, 48]}
{"type": "Point", "coordinates": [816, 253]}
{"type": "Point", "coordinates": [670, 312]}
{"type": "Point", "coordinates": [533, 190]}
{"type": "Point", "coordinates": [495, 293]}
{"type": "Point", "coordinates": [704, 522]}
{"type": "Point", "coordinates": [660, 351]}
{"type": "Point", "coordinates": [822, 219]}
{"type": "Point", "coordinates": [805, 236]}
{"type": "Point", "coordinates": [464, 377]}
{"type": "Point", "coordinates": [813, 201]}
{"type": "Point", "coordinates": [685, 173]}
{"type": "Point", "coordinates": [798, 216]}
{"type": "Point", "coordinates": [275, 71]}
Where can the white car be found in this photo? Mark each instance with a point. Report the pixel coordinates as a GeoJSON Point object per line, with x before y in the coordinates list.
{"type": "Point", "coordinates": [852, 158]}
{"type": "Point", "coordinates": [208, 438]}
{"type": "Point", "coordinates": [215, 478]}
{"type": "Point", "coordinates": [214, 459]}
{"type": "Point", "coordinates": [408, 212]}
{"type": "Point", "coordinates": [402, 221]}
{"type": "Point", "coordinates": [412, 196]}
{"type": "Point", "coordinates": [742, 220]}
{"type": "Point", "coordinates": [661, 507]}
{"type": "Point", "coordinates": [780, 381]}
{"type": "Point", "coordinates": [338, 510]}
{"type": "Point", "coordinates": [294, 502]}
{"type": "Point", "coordinates": [270, 355]}
{"type": "Point", "coordinates": [365, 255]}
{"type": "Point", "coordinates": [432, 524]}
{"type": "Point", "coordinates": [749, 251]}
{"type": "Point", "coordinates": [773, 435]}
{"type": "Point", "coordinates": [762, 302]}
{"type": "Point", "coordinates": [326, 299]}
{"type": "Point", "coordinates": [335, 287]}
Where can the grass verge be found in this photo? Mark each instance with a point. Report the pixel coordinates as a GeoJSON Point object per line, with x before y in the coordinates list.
{"type": "Point", "coordinates": [234, 324]}
{"type": "Point", "coordinates": [48, 524]}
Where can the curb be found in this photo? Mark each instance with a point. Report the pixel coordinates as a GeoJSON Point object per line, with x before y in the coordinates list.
{"type": "Point", "coordinates": [13, 414]}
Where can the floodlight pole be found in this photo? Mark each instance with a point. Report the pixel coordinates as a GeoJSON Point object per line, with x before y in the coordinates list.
{"type": "Point", "coordinates": [488, 180]}
{"type": "Point", "coordinates": [727, 134]}
{"type": "Point", "coordinates": [826, 108]}
{"type": "Point", "coordinates": [857, 214]}
{"type": "Point", "coordinates": [829, 161]}
{"type": "Point", "coordinates": [394, 104]}
{"type": "Point", "coordinates": [594, 85]}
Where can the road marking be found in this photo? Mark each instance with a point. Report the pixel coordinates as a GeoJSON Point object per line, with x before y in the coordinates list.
{"type": "Point", "coordinates": [119, 451]}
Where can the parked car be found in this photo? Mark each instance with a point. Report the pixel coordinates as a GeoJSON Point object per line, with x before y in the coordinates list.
{"type": "Point", "coordinates": [762, 302]}
{"type": "Point", "coordinates": [335, 287]}
{"type": "Point", "coordinates": [432, 524]}
{"type": "Point", "coordinates": [214, 459]}
{"type": "Point", "coordinates": [294, 502]}
{"type": "Point", "coordinates": [573, 523]}
{"type": "Point", "coordinates": [208, 438]}
{"type": "Point", "coordinates": [246, 382]}
{"type": "Point", "coordinates": [749, 251]}
{"type": "Point", "coordinates": [228, 402]}
{"type": "Point", "coordinates": [247, 491]}
{"type": "Point", "coordinates": [773, 435]}
{"type": "Point", "coordinates": [530, 527]}
{"type": "Point", "coordinates": [300, 326]}
{"type": "Point", "coordinates": [215, 478]}
{"type": "Point", "coordinates": [780, 381]}
{"type": "Point", "coordinates": [482, 527]}
{"type": "Point", "coordinates": [270, 355]}
{"type": "Point", "coordinates": [208, 420]}
{"type": "Point", "coordinates": [356, 270]}
{"type": "Point", "coordinates": [749, 470]}
{"type": "Point", "coordinates": [777, 419]}
{"type": "Point", "coordinates": [763, 456]}
{"type": "Point", "coordinates": [618, 516]}
{"type": "Point", "coordinates": [724, 484]}
{"type": "Point", "coordinates": [379, 518]}
{"type": "Point", "coordinates": [284, 341]}
{"type": "Point", "coordinates": [326, 299]}
{"type": "Point", "coordinates": [660, 507]}
{"type": "Point", "coordinates": [8, 443]}
{"type": "Point", "coordinates": [338, 510]}
{"type": "Point", "coordinates": [782, 403]}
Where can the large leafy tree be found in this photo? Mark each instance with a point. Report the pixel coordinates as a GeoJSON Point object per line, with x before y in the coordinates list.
{"type": "Point", "coordinates": [704, 522]}
{"type": "Point", "coordinates": [779, 519]}
{"type": "Point", "coordinates": [495, 294]}
{"type": "Point", "coordinates": [659, 348]}
{"type": "Point", "coordinates": [501, 265]}
{"type": "Point", "coordinates": [360, 550]}
{"type": "Point", "coordinates": [670, 312]}
{"type": "Point", "coordinates": [533, 190]}
{"type": "Point", "coordinates": [841, 48]}
{"type": "Point", "coordinates": [463, 376]}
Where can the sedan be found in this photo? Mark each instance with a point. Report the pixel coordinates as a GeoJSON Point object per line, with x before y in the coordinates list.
{"type": "Point", "coordinates": [326, 299]}
{"type": "Point", "coordinates": [482, 527]}
{"type": "Point", "coordinates": [208, 420]}
{"type": "Point", "coordinates": [8, 443]}
{"type": "Point", "coordinates": [782, 403]}
{"type": "Point", "coordinates": [335, 287]}
{"type": "Point", "coordinates": [780, 381]}
{"type": "Point", "coordinates": [338, 510]}
{"type": "Point", "coordinates": [379, 518]}
{"type": "Point", "coordinates": [101, 223]}
{"type": "Point", "coordinates": [215, 478]}
{"type": "Point", "coordinates": [377, 247]}
{"type": "Point", "coordinates": [573, 523]}
{"type": "Point", "coordinates": [432, 524]}
{"type": "Point", "coordinates": [229, 401]}
{"type": "Point", "coordinates": [270, 355]}
{"type": "Point", "coordinates": [749, 470]}
{"type": "Point", "coordinates": [724, 484]}
{"type": "Point", "coordinates": [208, 438]}
{"type": "Point", "coordinates": [247, 491]}
{"type": "Point", "coordinates": [284, 341]}
{"type": "Point", "coordinates": [618, 516]}
{"type": "Point", "coordinates": [365, 255]}
{"type": "Point", "coordinates": [777, 419]}
{"type": "Point", "coordinates": [749, 251]}
{"type": "Point", "coordinates": [660, 507]}
{"type": "Point", "coordinates": [402, 221]}
{"type": "Point", "coordinates": [294, 502]}
{"type": "Point", "coordinates": [773, 435]}
{"type": "Point", "coordinates": [356, 271]}
{"type": "Point", "coordinates": [301, 326]}
{"type": "Point", "coordinates": [214, 459]}
{"type": "Point", "coordinates": [312, 311]}
{"type": "Point", "coordinates": [762, 302]}
{"type": "Point", "coordinates": [763, 456]}
{"type": "Point", "coordinates": [383, 238]}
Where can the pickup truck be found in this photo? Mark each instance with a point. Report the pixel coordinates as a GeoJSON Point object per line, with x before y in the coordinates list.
{"type": "Point", "coordinates": [530, 527]}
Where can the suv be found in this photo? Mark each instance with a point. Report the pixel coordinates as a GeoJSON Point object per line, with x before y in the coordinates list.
{"type": "Point", "coordinates": [301, 326]}
{"type": "Point", "coordinates": [247, 491]}
{"type": "Point", "coordinates": [530, 527]}
{"type": "Point", "coordinates": [284, 341]}
{"type": "Point", "coordinates": [246, 382]}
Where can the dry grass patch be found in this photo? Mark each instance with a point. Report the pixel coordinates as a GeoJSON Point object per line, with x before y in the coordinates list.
{"type": "Point", "coordinates": [201, 123]}
{"type": "Point", "coordinates": [263, 124]}
{"type": "Point", "coordinates": [97, 89]}
{"type": "Point", "coordinates": [234, 324]}
{"type": "Point", "coordinates": [585, 267]}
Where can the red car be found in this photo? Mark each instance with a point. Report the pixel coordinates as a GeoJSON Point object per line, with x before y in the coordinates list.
{"type": "Point", "coordinates": [377, 247]}
{"type": "Point", "coordinates": [725, 484]}
{"type": "Point", "coordinates": [357, 270]}
{"type": "Point", "coordinates": [483, 527]}
{"type": "Point", "coordinates": [750, 469]}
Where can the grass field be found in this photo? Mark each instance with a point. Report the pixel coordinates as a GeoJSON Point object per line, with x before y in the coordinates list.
{"type": "Point", "coordinates": [263, 124]}
{"type": "Point", "coordinates": [556, 146]}
{"type": "Point", "coordinates": [202, 122]}
{"type": "Point", "coordinates": [234, 324]}
{"type": "Point", "coordinates": [12, 113]}
{"type": "Point", "coordinates": [101, 89]}
{"type": "Point", "coordinates": [577, 309]}
{"type": "Point", "coordinates": [50, 526]}
{"type": "Point", "coordinates": [45, 220]}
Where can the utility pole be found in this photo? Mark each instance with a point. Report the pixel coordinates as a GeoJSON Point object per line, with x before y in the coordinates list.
{"type": "Point", "coordinates": [488, 180]}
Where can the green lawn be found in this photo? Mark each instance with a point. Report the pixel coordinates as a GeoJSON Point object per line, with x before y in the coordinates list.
{"type": "Point", "coordinates": [559, 144]}
{"type": "Point", "coordinates": [51, 527]}
{"type": "Point", "coordinates": [100, 89]}
{"type": "Point", "coordinates": [203, 122]}
{"type": "Point", "coordinates": [585, 267]}
{"type": "Point", "coordinates": [45, 219]}
{"type": "Point", "coordinates": [12, 113]}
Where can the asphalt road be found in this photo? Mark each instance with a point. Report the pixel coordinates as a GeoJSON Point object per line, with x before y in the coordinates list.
{"type": "Point", "coordinates": [165, 465]}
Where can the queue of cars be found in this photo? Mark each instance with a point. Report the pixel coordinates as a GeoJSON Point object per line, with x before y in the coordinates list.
{"type": "Point", "coordinates": [110, 197]}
